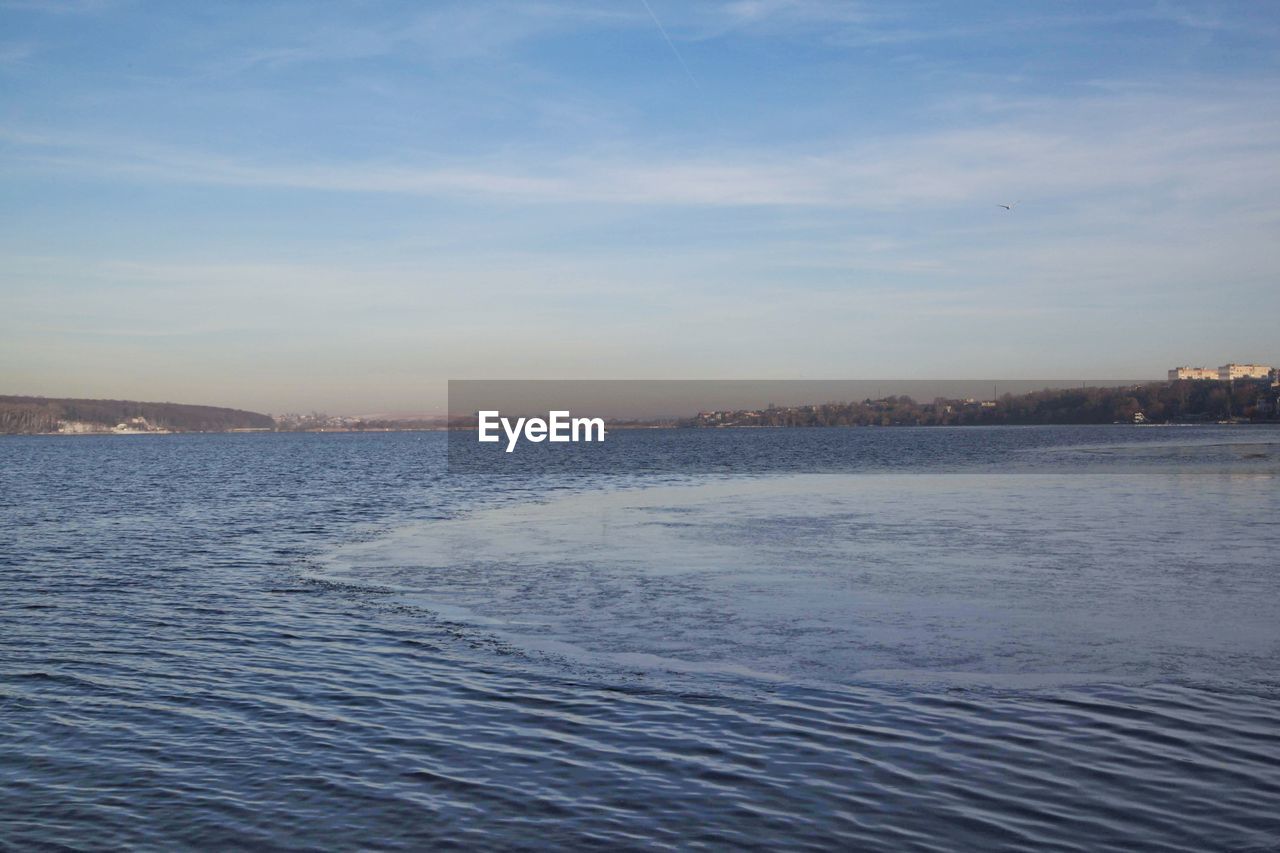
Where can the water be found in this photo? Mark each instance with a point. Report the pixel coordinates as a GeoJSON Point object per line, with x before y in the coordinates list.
{"type": "Point", "coordinates": [1049, 638]}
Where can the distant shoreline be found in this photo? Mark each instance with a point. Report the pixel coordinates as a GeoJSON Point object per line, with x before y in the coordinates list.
{"type": "Point", "coordinates": [1174, 402]}
{"type": "Point", "coordinates": [636, 428]}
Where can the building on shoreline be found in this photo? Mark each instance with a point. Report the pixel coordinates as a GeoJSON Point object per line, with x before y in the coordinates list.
{"type": "Point", "coordinates": [1192, 373]}
{"type": "Point", "coordinates": [1225, 373]}
{"type": "Point", "coordinates": [1231, 371]}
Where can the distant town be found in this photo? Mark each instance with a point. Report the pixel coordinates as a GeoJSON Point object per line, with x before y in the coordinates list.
{"type": "Point", "coordinates": [1225, 373]}
{"type": "Point", "coordinates": [322, 422]}
{"type": "Point", "coordinates": [1231, 393]}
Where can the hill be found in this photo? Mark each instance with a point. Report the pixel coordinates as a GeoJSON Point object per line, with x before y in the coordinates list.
{"type": "Point", "coordinates": [31, 415]}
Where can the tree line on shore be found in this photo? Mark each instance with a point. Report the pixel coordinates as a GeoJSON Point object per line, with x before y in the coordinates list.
{"type": "Point", "coordinates": [44, 415]}
{"type": "Point", "coordinates": [1185, 401]}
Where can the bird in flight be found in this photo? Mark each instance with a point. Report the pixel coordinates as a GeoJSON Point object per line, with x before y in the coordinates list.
{"type": "Point", "coordinates": [1010, 206]}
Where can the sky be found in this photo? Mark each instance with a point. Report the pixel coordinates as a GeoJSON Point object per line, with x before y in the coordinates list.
{"type": "Point", "coordinates": [339, 206]}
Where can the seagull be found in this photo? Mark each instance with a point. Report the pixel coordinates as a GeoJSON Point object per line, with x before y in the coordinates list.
{"type": "Point", "coordinates": [1010, 206]}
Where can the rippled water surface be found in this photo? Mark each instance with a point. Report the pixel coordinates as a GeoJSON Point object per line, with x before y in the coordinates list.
{"type": "Point", "coordinates": [1048, 638]}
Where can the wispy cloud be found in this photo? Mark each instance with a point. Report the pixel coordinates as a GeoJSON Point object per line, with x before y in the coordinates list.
{"type": "Point", "coordinates": [16, 53]}
{"type": "Point", "coordinates": [748, 12]}
{"type": "Point", "coordinates": [60, 7]}
{"type": "Point", "coordinates": [1217, 149]}
{"type": "Point", "coordinates": [443, 33]}
{"type": "Point", "coordinates": [854, 23]}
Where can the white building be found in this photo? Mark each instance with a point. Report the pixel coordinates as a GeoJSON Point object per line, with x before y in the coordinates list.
{"type": "Point", "coordinates": [1243, 371]}
{"type": "Point", "coordinates": [1192, 373]}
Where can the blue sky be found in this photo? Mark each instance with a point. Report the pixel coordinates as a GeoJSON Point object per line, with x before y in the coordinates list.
{"type": "Point", "coordinates": [341, 205]}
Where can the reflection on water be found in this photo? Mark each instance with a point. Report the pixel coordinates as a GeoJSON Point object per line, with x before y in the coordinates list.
{"type": "Point", "coordinates": [300, 641]}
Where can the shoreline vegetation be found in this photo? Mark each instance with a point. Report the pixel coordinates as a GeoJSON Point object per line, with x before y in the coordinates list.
{"type": "Point", "coordinates": [1181, 401]}
{"type": "Point", "coordinates": [1186, 401]}
{"type": "Point", "coordinates": [60, 416]}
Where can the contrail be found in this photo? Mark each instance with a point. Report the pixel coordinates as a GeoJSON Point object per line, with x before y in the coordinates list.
{"type": "Point", "coordinates": [672, 45]}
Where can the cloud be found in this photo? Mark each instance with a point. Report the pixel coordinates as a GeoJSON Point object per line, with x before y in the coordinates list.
{"type": "Point", "coordinates": [16, 53]}
{"type": "Point", "coordinates": [1215, 147]}
{"type": "Point", "coordinates": [59, 7]}
{"type": "Point", "coordinates": [806, 11]}
{"type": "Point", "coordinates": [449, 32]}
{"type": "Point", "coordinates": [853, 24]}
